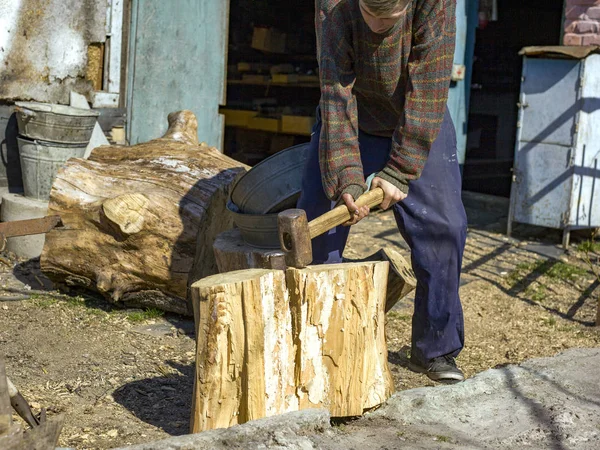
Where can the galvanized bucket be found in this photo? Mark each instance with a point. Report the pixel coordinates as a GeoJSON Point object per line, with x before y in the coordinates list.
{"type": "Point", "coordinates": [258, 230]}
{"type": "Point", "coordinates": [40, 162]}
{"type": "Point", "coordinates": [55, 123]}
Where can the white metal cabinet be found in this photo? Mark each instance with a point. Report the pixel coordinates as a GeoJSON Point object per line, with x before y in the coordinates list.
{"type": "Point", "coordinates": [556, 180]}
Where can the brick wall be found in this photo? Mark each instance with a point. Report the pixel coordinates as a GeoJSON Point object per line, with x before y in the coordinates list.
{"type": "Point", "coordinates": [582, 22]}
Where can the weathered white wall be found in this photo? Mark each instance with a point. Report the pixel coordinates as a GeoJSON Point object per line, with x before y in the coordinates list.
{"type": "Point", "coordinates": [43, 47]}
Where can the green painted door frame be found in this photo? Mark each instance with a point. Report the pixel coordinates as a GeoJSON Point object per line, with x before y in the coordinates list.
{"type": "Point", "coordinates": [177, 60]}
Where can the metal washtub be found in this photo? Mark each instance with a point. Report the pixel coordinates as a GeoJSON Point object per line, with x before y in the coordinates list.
{"type": "Point", "coordinates": [55, 123]}
{"type": "Point", "coordinates": [272, 182]}
{"type": "Point", "coordinates": [271, 186]}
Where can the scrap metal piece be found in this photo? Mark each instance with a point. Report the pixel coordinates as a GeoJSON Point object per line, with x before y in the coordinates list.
{"type": "Point", "coordinates": [20, 405]}
{"type": "Point", "coordinates": [28, 227]}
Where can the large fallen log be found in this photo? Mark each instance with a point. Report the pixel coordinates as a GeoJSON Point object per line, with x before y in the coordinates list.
{"type": "Point", "coordinates": [139, 222]}
{"type": "Point", "coordinates": [270, 342]}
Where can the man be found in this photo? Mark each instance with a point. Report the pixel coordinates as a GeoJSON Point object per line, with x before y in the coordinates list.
{"type": "Point", "coordinates": [385, 70]}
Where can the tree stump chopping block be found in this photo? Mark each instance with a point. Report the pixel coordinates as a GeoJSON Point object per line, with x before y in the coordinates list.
{"type": "Point", "coordinates": [273, 341]}
{"type": "Point", "coordinates": [401, 278]}
{"type": "Point", "coordinates": [232, 253]}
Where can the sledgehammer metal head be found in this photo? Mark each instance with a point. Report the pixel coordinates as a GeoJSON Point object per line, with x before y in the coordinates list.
{"type": "Point", "coordinates": [294, 237]}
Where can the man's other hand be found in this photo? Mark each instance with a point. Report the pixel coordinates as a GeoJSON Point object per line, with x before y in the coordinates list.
{"type": "Point", "coordinates": [356, 213]}
{"type": "Point", "coordinates": [391, 194]}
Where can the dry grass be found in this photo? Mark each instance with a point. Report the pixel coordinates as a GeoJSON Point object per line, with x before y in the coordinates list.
{"type": "Point", "coordinates": [538, 309]}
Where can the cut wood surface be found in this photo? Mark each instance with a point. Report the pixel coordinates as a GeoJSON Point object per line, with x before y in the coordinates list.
{"type": "Point", "coordinates": [140, 221]}
{"type": "Point", "coordinates": [401, 278]}
{"type": "Point", "coordinates": [270, 342]}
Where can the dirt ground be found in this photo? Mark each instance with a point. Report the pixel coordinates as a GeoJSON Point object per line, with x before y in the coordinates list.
{"type": "Point", "coordinates": [126, 376]}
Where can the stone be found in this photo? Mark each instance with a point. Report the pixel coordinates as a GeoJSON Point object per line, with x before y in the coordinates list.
{"type": "Point", "coordinates": [289, 430]}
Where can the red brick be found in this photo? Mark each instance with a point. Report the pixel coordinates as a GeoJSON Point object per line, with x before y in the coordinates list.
{"type": "Point", "coordinates": [587, 26]}
{"type": "Point", "coordinates": [576, 12]}
{"type": "Point", "coordinates": [591, 39]}
{"type": "Point", "coordinates": [572, 39]}
{"type": "Point", "coordinates": [570, 26]}
{"type": "Point", "coordinates": [594, 12]}
{"type": "Point", "coordinates": [582, 26]}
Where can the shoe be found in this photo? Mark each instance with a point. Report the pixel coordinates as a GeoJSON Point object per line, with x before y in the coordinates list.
{"type": "Point", "coordinates": [442, 369]}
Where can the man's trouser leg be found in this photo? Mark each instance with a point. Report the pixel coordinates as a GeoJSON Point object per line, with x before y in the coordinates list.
{"type": "Point", "coordinates": [433, 222]}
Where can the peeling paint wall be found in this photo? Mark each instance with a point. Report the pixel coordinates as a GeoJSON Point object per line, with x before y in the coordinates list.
{"type": "Point", "coordinates": [44, 47]}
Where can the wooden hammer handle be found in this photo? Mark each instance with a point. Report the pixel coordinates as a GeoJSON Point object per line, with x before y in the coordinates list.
{"type": "Point", "coordinates": [340, 214]}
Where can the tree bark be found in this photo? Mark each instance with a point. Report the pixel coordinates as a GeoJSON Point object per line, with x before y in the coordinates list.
{"type": "Point", "coordinates": [139, 222]}
{"type": "Point", "coordinates": [270, 342]}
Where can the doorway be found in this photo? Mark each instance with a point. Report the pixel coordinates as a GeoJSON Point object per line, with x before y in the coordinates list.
{"type": "Point", "coordinates": [495, 88]}
{"type": "Point", "coordinates": [272, 77]}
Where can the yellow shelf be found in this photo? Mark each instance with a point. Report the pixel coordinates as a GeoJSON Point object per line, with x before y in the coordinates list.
{"type": "Point", "coordinates": [270, 83]}
{"type": "Point", "coordinates": [237, 117]}
{"type": "Point", "coordinates": [301, 125]}
{"type": "Point", "coordinates": [269, 131]}
{"type": "Point", "coordinates": [270, 124]}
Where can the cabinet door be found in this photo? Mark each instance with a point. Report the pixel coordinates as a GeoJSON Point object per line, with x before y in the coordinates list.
{"type": "Point", "coordinates": [177, 60]}
{"type": "Point", "coordinates": [585, 207]}
{"type": "Point", "coordinates": [542, 187]}
{"type": "Point", "coordinates": [549, 98]}
{"type": "Point", "coordinates": [548, 112]}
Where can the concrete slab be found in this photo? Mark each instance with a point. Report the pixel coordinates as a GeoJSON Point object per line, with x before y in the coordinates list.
{"type": "Point", "coordinates": [18, 207]}
{"type": "Point", "coordinates": [285, 431]}
{"type": "Point", "coordinates": [543, 403]}
{"type": "Point", "coordinates": [546, 250]}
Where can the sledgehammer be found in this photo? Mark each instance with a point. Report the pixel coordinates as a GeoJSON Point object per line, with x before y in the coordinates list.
{"type": "Point", "coordinates": [296, 233]}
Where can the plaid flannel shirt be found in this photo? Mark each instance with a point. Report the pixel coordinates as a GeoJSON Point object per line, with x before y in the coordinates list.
{"type": "Point", "coordinates": [393, 85]}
